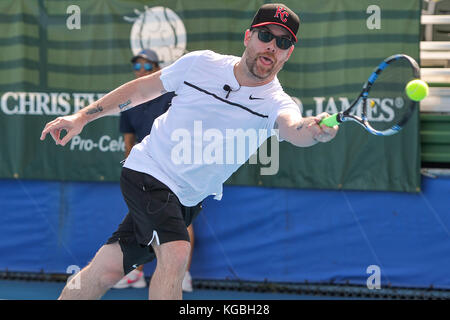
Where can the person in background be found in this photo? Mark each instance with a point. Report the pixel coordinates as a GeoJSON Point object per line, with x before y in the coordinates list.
{"type": "Point", "coordinates": [135, 124]}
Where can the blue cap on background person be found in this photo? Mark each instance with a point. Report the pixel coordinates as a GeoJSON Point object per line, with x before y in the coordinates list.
{"type": "Point", "coordinates": [147, 54]}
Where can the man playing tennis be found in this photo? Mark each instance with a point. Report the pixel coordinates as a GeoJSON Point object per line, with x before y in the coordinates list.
{"type": "Point", "coordinates": [220, 93]}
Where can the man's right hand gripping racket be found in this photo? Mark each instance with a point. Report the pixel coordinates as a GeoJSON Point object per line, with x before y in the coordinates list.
{"type": "Point", "coordinates": [382, 107]}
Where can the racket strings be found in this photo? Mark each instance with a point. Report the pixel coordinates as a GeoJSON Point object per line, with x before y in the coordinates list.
{"type": "Point", "coordinates": [388, 105]}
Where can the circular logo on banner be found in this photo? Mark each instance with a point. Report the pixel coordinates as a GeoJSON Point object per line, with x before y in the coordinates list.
{"type": "Point", "coordinates": [159, 29]}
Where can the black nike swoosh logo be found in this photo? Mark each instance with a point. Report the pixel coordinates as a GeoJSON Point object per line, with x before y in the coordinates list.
{"type": "Point", "coordinates": [255, 98]}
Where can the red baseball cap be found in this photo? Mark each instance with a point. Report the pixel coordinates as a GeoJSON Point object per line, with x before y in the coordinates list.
{"type": "Point", "coordinates": [279, 14]}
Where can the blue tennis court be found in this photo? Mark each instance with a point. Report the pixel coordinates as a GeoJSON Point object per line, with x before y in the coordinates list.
{"type": "Point", "coordinates": [40, 290]}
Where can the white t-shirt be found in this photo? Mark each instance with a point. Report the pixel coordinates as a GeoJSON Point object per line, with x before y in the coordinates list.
{"type": "Point", "coordinates": [204, 136]}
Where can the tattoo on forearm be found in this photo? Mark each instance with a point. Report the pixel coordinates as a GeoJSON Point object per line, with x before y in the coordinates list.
{"type": "Point", "coordinates": [300, 126]}
{"type": "Point", "coordinates": [98, 108]}
{"type": "Point", "coordinates": [123, 106]}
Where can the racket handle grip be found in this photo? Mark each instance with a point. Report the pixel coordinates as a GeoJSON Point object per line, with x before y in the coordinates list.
{"type": "Point", "coordinates": [330, 121]}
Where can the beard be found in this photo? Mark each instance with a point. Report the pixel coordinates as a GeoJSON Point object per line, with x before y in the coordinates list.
{"type": "Point", "coordinates": [260, 73]}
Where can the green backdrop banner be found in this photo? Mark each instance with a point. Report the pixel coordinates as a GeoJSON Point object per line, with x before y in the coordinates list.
{"type": "Point", "coordinates": [59, 56]}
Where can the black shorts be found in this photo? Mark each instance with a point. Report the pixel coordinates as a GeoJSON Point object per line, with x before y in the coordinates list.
{"type": "Point", "coordinates": [155, 216]}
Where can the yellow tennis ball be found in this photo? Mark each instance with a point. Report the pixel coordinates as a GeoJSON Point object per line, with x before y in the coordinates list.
{"type": "Point", "coordinates": [417, 89]}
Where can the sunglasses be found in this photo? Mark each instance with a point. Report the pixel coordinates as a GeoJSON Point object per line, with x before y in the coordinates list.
{"type": "Point", "coordinates": [282, 42]}
{"type": "Point", "coordinates": [147, 66]}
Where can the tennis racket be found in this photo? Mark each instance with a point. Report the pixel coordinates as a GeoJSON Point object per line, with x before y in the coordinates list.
{"type": "Point", "coordinates": [383, 107]}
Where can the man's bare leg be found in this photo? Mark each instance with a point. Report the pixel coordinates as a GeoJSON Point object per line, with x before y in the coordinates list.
{"type": "Point", "coordinates": [98, 276]}
{"type": "Point", "coordinates": [172, 258]}
{"type": "Point", "coordinates": [191, 237]}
